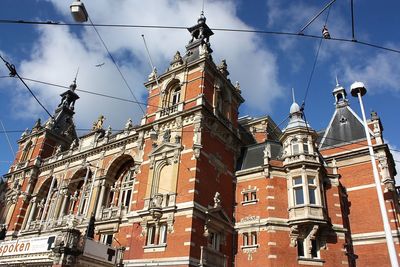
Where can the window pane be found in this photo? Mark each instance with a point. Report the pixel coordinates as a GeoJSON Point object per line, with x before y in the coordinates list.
{"type": "Point", "coordinates": [300, 247]}
{"type": "Point", "coordinates": [150, 235]}
{"type": "Point", "coordinates": [295, 148]}
{"type": "Point", "coordinates": [253, 196]}
{"type": "Point", "coordinates": [311, 193]}
{"type": "Point", "coordinates": [299, 196]}
{"type": "Point", "coordinates": [109, 239]}
{"type": "Point", "coordinates": [305, 146]}
{"type": "Point", "coordinates": [311, 180]}
{"type": "Point", "coordinates": [128, 198]}
{"type": "Point", "coordinates": [253, 238]}
{"type": "Point", "coordinates": [245, 239]}
{"type": "Point", "coordinates": [297, 180]}
{"type": "Point", "coordinates": [314, 249]}
{"type": "Point", "coordinates": [163, 234]}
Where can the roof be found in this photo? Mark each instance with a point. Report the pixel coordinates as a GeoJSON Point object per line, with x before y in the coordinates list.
{"type": "Point", "coordinates": [253, 155]}
{"type": "Point", "coordinates": [344, 127]}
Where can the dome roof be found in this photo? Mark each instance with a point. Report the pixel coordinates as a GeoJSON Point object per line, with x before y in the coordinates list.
{"type": "Point", "coordinates": [294, 108]}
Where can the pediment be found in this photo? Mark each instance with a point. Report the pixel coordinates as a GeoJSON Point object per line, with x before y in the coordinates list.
{"type": "Point", "coordinates": [218, 214]}
{"type": "Point", "coordinates": [165, 148]}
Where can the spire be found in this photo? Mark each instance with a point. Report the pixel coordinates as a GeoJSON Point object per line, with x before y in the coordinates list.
{"type": "Point", "coordinates": [296, 115]}
{"type": "Point", "coordinates": [340, 95]}
{"type": "Point", "coordinates": [199, 44]}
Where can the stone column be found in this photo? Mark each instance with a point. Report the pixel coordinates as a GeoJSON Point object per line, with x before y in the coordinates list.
{"type": "Point", "coordinates": [32, 211]}
{"type": "Point", "coordinates": [100, 201]}
{"type": "Point", "coordinates": [64, 203]}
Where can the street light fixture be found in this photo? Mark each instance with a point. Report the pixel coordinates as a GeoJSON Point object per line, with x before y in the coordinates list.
{"type": "Point", "coordinates": [358, 90]}
{"type": "Point", "coordinates": [78, 11]}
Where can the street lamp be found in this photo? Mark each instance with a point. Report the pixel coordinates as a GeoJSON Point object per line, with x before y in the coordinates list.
{"type": "Point", "coordinates": [78, 11]}
{"type": "Point", "coordinates": [358, 90]}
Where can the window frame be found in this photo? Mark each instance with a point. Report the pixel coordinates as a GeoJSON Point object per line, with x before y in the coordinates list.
{"type": "Point", "coordinates": [310, 191]}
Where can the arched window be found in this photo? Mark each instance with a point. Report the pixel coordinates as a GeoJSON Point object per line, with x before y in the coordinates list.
{"type": "Point", "coordinates": [26, 150]}
{"type": "Point", "coordinates": [126, 188]}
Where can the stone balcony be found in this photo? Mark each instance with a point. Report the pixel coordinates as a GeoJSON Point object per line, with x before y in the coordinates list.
{"type": "Point", "coordinates": [311, 158]}
{"type": "Point", "coordinates": [169, 110]}
{"type": "Point", "coordinates": [67, 221]}
{"type": "Point", "coordinates": [113, 213]}
{"type": "Point", "coordinates": [212, 258]}
{"type": "Point", "coordinates": [306, 213]}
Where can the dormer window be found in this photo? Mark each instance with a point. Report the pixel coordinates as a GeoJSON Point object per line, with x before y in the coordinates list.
{"type": "Point", "coordinates": [339, 98]}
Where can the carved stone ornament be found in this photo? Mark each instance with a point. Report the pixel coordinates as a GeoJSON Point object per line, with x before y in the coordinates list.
{"type": "Point", "coordinates": [98, 125]}
{"type": "Point", "coordinates": [249, 252]}
{"type": "Point", "coordinates": [217, 200]}
{"type": "Point", "coordinates": [294, 234]}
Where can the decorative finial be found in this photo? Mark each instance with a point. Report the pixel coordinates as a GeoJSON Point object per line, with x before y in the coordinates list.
{"type": "Point", "coordinates": [293, 97]}
{"type": "Point", "coordinates": [337, 82]}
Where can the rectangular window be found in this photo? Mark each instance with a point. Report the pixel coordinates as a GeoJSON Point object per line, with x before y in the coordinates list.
{"type": "Point", "coordinates": [106, 239]}
{"type": "Point", "coordinates": [253, 196]}
{"type": "Point", "coordinates": [300, 247]}
{"type": "Point", "coordinates": [128, 198]}
{"type": "Point", "coordinates": [214, 241]}
{"type": "Point", "coordinates": [245, 239]}
{"type": "Point", "coordinates": [163, 234]}
{"type": "Point", "coordinates": [151, 234]}
{"type": "Point", "coordinates": [254, 238]}
{"type": "Point", "coordinates": [305, 146]}
{"type": "Point", "coordinates": [312, 190]}
{"type": "Point", "coordinates": [314, 249]}
{"type": "Point", "coordinates": [298, 191]}
{"type": "Point", "coordinates": [245, 197]}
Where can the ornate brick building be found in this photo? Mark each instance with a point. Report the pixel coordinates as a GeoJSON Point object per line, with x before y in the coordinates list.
{"type": "Point", "coordinates": [194, 185]}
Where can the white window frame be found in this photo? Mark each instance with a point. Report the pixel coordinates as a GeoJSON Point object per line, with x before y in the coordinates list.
{"type": "Point", "coordinates": [305, 188]}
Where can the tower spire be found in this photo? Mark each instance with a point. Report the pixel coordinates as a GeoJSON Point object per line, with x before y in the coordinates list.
{"type": "Point", "coordinates": [293, 96]}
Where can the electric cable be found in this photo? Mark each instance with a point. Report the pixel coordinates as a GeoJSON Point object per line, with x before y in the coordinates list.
{"type": "Point", "coordinates": [116, 65]}
{"type": "Point", "coordinates": [9, 21]}
{"type": "Point", "coordinates": [13, 73]}
{"type": "Point", "coordinates": [8, 139]}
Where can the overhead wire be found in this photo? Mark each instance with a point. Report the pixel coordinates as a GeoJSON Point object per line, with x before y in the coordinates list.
{"type": "Point", "coordinates": [7, 138]}
{"type": "Point", "coordinates": [53, 23]}
{"type": "Point", "coordinates": [116, 65]}
{"type": "Point", "coordinates": [13, 73]}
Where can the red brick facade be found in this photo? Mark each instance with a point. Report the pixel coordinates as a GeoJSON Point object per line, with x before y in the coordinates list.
{"type": "Point", "coordinates": [194, 185]}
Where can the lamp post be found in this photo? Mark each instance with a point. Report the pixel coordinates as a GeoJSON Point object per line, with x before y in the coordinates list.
{"type": "Point", "coordinates": [78, 11]}
{"type": "Point", "coordinates": [358, 90]}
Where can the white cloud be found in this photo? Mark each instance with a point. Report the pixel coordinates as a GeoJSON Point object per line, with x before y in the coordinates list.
{"type": "Point", "coordinates": [381, 71]}
{"type": "Point", "coordinates": [59, 52]}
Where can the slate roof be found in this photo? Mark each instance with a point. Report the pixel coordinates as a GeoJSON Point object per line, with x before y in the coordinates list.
{"type": "Point", "coordinates": [345, 126]}
{"type": "Point", "coordinates": [253, 155]}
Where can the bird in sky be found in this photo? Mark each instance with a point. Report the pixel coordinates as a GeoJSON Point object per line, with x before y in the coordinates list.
{"type": "Point", "coordinates": [101, 64]}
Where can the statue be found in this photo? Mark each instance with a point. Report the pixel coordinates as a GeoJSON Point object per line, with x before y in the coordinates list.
{"type": "Point", "coordinates": [217, 200]}
{"type": "Point", "coordinates": [58, 150]}
{"type": "Point", "coordinates": [128, 124]}
{"type": "Point", "coordinates": [73, 144]}
{"type": "Point", "coordinates": [98, 125]}
{"type": "Point", "coordinates": [167, 136]}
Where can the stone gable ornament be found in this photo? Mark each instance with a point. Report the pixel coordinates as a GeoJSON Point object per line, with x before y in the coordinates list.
{"type": "Point", "coordinates": [217, 200]}
{"type": "Point", "coordinates": [128, 124]}
{"type": "Point", "coordinates": [98, 125]}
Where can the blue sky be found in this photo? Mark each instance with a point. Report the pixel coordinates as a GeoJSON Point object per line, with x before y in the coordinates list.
{"type": "Point", "coordinates": [267, 66]}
